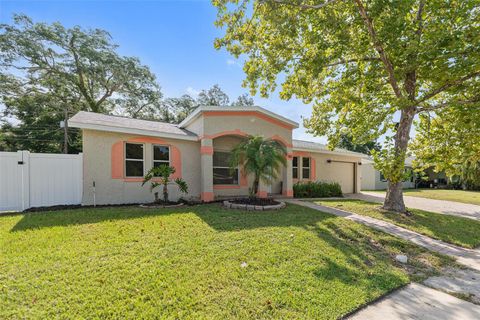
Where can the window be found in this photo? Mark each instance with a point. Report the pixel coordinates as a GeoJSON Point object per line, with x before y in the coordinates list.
{"type": "Point", "coordinates": [133, 160]}
{"type": "Point", "coordinates": [305, 168]}
{"type": "Point", "coordinates": [221, 169]}
{"type": "Point", "coordinates": [295, 168]}
{"type": "Point", "coordinates": [161, 156]}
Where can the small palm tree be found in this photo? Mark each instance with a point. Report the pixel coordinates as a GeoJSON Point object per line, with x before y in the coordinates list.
{"type": "Point", "coordinates": [261, 157]}
{"type": "Point", "coordinates": [163, 173]}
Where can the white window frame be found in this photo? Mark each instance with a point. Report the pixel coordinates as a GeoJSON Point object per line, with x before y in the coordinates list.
{"type": "Point", "coordinates": [160, 161]}
{"type": "Point", "coordinates": [127, 159]}
{"type": "Point", "coordinates": [214, 167]}
{"type": "Point", "coordinates": [309, 168]}
{"type": "Point", "coordinates": [297, 167]}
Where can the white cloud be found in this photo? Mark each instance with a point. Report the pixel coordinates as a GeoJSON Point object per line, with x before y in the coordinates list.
{"type": "Point", "coordinates": [193, 92]}
{"type": "Point", "coordinates": [231, 62]}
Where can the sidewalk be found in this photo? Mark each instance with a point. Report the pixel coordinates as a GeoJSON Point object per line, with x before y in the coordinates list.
{"type": "Point", "coordinates": [417, 301]}
{"type": "Point", "coordinates": [458, 209]}
{"type": "Point", "coordinates": [467, 257]}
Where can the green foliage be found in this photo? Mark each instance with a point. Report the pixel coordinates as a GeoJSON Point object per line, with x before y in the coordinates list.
{"type": "Point", "coordinates": [163, 173]}
{"type": "Point", "coordinates": [449, 141]}
{"type": "Point", "coordinates": [316, 189]}
{"type": "Point", "coordinates": [49, 72]}
{"type": "Point", "coordinates": [347, 142]}
{"type": "Point", "coordinates": [261, 157]}
{"type": "Point", "coordinates": [361, 64]}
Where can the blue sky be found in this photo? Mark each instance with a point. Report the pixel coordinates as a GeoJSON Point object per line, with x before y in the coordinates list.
{"type": "Point", "coordinates": [174, 38]}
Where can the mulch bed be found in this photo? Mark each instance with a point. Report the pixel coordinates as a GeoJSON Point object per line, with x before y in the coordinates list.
{"type": "Point", "coordinates": [255, 201]}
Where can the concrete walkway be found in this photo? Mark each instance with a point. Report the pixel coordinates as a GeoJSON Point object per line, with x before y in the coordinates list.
{"type": "Point", "coordinates": [416, 301]}
{"type": "Point", "coordinates": [467, 257]}
{"type": "Point", "coordinates": [465, 210]}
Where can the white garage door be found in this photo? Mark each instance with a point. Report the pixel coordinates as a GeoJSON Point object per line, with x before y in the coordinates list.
{"type": "Point", "coordinates": [344, 175]}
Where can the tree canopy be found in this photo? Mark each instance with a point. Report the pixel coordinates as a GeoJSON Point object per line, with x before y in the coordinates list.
{"type": "Point", "coordinates": [368, 67]}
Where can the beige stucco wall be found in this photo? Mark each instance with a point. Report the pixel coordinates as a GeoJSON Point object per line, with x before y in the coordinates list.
{"type": "Point", "coordinates": [97, 160]}
{"type": "Point", "coordinates": [340, 172]}
{"type": "Point", "coordinates": [371, 179]}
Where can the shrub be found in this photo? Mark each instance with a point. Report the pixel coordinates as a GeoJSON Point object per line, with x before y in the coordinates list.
{"type": "Point", "coordinates": [316, 189]}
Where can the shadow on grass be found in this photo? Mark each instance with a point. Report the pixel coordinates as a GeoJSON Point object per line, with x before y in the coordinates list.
{"type": "Point", "coordinates": [65, 218]}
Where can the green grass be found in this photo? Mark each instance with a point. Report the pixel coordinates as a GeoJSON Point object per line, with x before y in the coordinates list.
{"type": "Point", "coordinates": [456, 230]}
{"type": "Point", "coordinates": [185, 263]}
{"type": "Point", "coordinates": [470, 197]}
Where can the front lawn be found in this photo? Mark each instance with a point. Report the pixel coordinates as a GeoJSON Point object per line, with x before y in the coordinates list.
{"type": "Point", "coordinates": [452, 229]}
{"type": "Point", "coordinates": [470, 197]}
{"type": "Point", "coordinates": [200, 262]}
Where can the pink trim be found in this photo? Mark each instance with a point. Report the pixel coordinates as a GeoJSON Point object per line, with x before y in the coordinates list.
{"type": "Point", "coordinates": [206, 150]}
{"type": "Point", "coordinates": [262, 194]}
{"type": "Point", "coordinates": [117, 160]}
{"type": "Point", "coordinates": [282, 140]}
{"type": "Point", "coordinates": [236, 132]}
{"type": "Point", "coordinates": [248, 114]}
{"type": "Point", "coordinates": [313, 172]}
{"type": "Point", "coordinates": [225, 187]}
{"type": "Point", "coordinates": [207, 196]}
{"type": "Point", "coordinates": [287, 193]}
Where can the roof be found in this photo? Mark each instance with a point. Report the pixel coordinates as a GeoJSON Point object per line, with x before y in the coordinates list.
{"type": "Point", "coordinates": [408, 161]}
{"type": "Point", "coordinates": [319, 147]}
{"type": "Point", "coordinates": [103, 122]}
{"type": "Point", "coordinates": [197, 112]}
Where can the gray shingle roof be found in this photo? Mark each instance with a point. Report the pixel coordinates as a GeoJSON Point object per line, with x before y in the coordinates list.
{"type": "Point", "coordinates": [301, 144]}
{"type": "Point", "coordinates": [85, 119]}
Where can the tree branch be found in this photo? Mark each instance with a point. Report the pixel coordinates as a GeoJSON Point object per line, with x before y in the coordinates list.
{"type": "Point", "coordinates": [427, 108]}
{"type": "Point", "coordinates": [379, 48]}
{"type": "Point", "coordinates": [446, 86]}
{"type": "Point", "coordinates": [346, 61]}
{"type": "Point", "coordinates": [301, 5]}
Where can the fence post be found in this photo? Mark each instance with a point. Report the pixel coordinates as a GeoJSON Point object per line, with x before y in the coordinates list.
{"type": "Point", "coordinates": [23, 161]}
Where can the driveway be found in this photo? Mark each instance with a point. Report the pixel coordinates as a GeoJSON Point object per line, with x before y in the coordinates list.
{"type": "Point", "coordinates": [470, 211]}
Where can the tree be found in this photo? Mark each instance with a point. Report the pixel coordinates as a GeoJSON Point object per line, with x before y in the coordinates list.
{"type": "Point", "coordinates": [361, 64]}
{"type": "Point", "coordinates": [261, 157]}
{"type": "Point", "coordinates": [47, 68]}
{"type": "Point", "coordinates": [347, 142]}
{"type": "Point", "coordinates": [163, 173]}
{"type": "Point", "coordinates": [243, 100]}
{"type": "Point", "coordinates": [179, 108]}
{"type": "Point", "coordinates": [449, 141]}
{"type": "Point", "coordinates": [213, 97]}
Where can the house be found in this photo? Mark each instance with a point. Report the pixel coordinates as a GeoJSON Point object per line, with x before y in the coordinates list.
{"type": "Point", "coordinates": [118, 151]}
{"type": "Point", "coordinates": [372, 179]}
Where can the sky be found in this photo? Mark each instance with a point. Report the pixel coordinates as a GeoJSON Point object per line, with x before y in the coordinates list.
{"type": "Point", "coordinates": [174, 38]}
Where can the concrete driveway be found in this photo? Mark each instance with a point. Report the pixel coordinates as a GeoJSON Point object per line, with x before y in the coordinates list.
{"type": "Point", "coordinates": [470, 211]}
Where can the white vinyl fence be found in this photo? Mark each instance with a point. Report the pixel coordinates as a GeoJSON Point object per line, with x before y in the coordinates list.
{"type": "Point", "coordinates": [39, 179]}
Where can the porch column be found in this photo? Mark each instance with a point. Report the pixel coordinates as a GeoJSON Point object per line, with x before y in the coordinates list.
{"type": "Point", "coordinates": [206, 158]}
{"type": "Point", "coordinates": [287, 185]}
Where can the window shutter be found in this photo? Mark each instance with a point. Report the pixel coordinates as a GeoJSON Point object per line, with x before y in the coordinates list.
{"type": "Point", "coordinates": [117, 160]}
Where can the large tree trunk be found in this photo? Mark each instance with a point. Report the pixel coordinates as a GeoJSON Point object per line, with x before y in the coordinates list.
{"type": "Point", "coordinates": [394, 197]}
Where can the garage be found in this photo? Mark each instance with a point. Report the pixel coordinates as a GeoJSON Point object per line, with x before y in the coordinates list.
{"type": "Point", "coordinates": [344, 175]}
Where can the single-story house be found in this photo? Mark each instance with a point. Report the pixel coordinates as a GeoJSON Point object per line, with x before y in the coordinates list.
{"type": "Point", "coordinates": [372, 179]}
{"type": "Point", "coordinates": [118, 151]}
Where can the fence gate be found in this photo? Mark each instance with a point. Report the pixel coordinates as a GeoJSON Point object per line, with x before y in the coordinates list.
{"type": "Point", "coordinates": [39, 179]}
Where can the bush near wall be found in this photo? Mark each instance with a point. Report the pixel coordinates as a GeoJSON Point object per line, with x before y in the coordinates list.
{"type": "Point", "coordinates": [316, 189]}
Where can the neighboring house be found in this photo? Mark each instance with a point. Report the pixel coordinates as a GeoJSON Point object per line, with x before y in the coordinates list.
{"type": "Point", "coordinates": [118, 151]}
{"type": "Point", "coordinates": [372, 179]}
